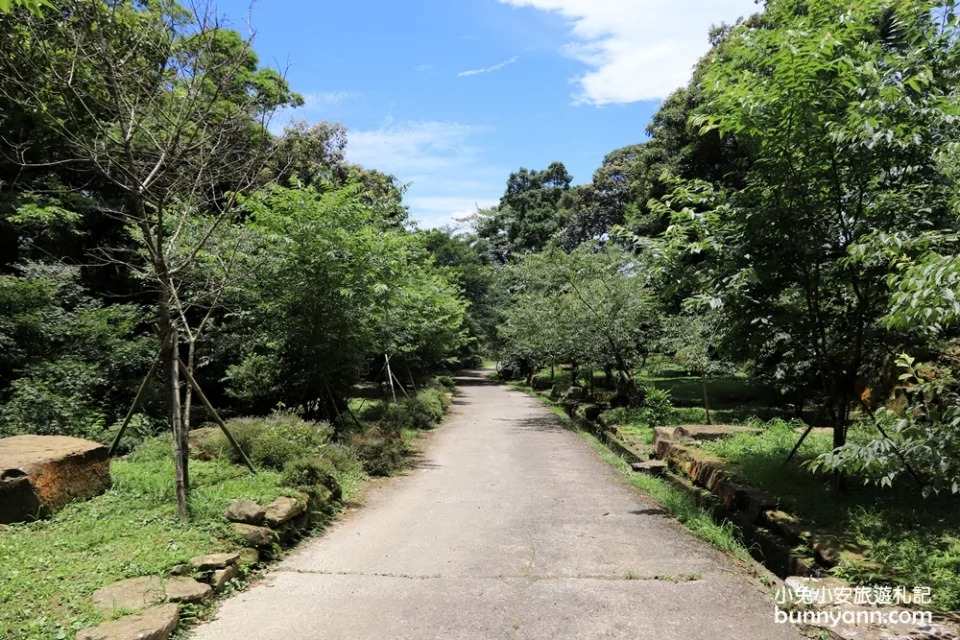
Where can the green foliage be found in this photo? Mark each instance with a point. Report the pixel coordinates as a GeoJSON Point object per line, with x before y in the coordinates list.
{"type": "Point", "coordinates": [69, 363]}
{"type": "Point", "coordinates": [382, 450]}
{"type": "Point", "coordinates": [531, 212]}
{"type": "Point", "coordinates": [922, 440]}
{"type": "Point", "coordinates": [589, 307]}
{"type": "Point", "coordinates": [316, 476]}
{"type": "Point", "coordinates": [337, 284]}
{"type": "Point", "coordinates": [270, 442]}
{"type": "Point", "coordinates": [657, 406]}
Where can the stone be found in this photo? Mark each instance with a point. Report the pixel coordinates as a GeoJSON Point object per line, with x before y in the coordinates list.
{"type": "Point", "coordinates": [592, 412]}
{"type": "Point", "coordinates": [851, 630]}
{"type": "Point", "coordinates": [39, 475]}
{"type": "Point", "coordinates": [135, 594]}
{"type": "Point", "coordinates": [155, 623]}
{"type": "Point", "coordinates": [284, 509]}
{"type": "Point", "coordinates": [249, 557]}
{"type": "Point", "coordinates": [662, 439]}
{"type": "Point", "coordinates": [652, 467]}
{"type": "Point", "coordinates": [214, 561]}
{"type": "Point", "coordinates": [253, 536]}
{"type": "Point", "coordinates": [181, 570]}
{"type": "Point", "coordinates": [245, 511]}
{"type": "Point", "coordinates": [710, 432]}
{"type": "Point", "coordinates": [573, 393]}
{"type": "Point", "coordinates": [222, 576]}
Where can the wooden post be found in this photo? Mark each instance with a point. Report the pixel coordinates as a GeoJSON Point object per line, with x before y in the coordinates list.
{"type": "Point", "coordinates": [136, 403]}
{"type": "Point", "coordinates": [390, 377]}
{"type": "Point", "coordinates": [216, 416]}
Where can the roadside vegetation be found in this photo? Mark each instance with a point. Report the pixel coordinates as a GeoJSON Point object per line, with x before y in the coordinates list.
{"type": "Point", "coordinates": [51, 567]}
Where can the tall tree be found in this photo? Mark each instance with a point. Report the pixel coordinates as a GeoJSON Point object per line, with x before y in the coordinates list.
{"type": "Point", "coordinates": [167, 110]}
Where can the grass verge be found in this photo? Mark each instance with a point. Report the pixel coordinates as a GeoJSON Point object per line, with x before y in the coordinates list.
{"type": "Point", "coordinates": [49, 569]}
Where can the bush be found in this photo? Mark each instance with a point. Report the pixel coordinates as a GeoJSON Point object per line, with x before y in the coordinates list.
{"type": "Point", "coordinates": [656, 406]}
{"type": "Point", "coordinates": [314, 475]}
{"type": "Point", "coordinates": [423, 411]}
{"type": "Point", "coordinates": [381, 450]}
{"type": "Point", "coordinates": [270, 442]}
{"type": "Point", "coordinates": [447, 382]}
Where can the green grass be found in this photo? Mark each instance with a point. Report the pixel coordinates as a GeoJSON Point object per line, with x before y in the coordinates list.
{"type": "Point", "coordinates": [49, 569]}
{"type": "Point", "coordinates": [892, 535]}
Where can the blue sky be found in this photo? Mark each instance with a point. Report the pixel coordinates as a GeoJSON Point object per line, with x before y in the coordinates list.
{"type": "Point", "coordinates": [452, 95]}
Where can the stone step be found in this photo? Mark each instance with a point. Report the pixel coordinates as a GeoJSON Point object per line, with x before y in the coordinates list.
{"type": "Point", "coordinates": [653, 467]}
{"type": "Point", "coordinates": [155, 623]}
{"type": "Point", "coordinates": [135, 594]}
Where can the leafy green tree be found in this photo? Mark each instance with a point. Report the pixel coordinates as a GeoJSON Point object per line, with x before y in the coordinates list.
{"type": "Point", "coordinates": [592, 306]}
{"type": "Point", "coordinates": [533, 209]}
{"type": "Point", "coordinates": [337, 283]}
{"type": "Point", "coordinates": [68, 363]}
{"type": "Point", "coordinates": [694, 340]}
{"type": "Point", "coordinates": [167, 111]}
{"type": "Point", "coordinates": [844, 113]}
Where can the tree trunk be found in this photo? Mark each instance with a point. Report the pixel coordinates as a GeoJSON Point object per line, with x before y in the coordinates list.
{"type": "Point", "coordinates": [706, 398]}
{"type": "Point", "coordinates": [188, 394]}
{"type": "Point", "coordinates": [172, 354]}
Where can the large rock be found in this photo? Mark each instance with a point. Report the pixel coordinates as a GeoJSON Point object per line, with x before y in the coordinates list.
{"type": "Point", "coordinates": [253, 536]}
{"type": "Point", "coordinates": [284, 509]}
{"type": "Point", "coordinates": [214, 561]}
{"type": "Point", "coordinates": [135, 594]}
{"type": "Point", "coordinates": [245, 511]}
{"type": "Point", "coordinates": [711, 432]}
{"type": "Point", "coordinates": [41, 474]}
{"type": "Point", "coordinates": [155, 623]}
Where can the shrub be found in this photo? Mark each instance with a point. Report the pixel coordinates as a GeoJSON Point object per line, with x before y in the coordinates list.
{"type": "Point", "coordinates": [381, 450]}
{"type": "Point", "coordinates": [269, 442]}
{"type": "Point", "coordinates": [447, 382]}
{"type": "Point", "coordinates": [656, 406]}
{"type": "Point", "coordinates": [314, 475]}
{"type": "Point", "coordinates": [425, 410]}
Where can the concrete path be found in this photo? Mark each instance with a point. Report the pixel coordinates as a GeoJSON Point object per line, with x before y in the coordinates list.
{"type": "Point", "coordinates": [511, 527]}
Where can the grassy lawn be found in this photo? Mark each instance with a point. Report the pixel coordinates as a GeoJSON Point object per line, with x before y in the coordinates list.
{"type": "Point", "coordinates": [49, 569]}
{"type": "Point", "coordinates": [893, 535]}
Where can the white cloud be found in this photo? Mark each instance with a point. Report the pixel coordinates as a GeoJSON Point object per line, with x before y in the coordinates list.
{"type": "Point", "coordinates": [441, 162]}
{"type": "Point", "coordinates": [496, 67]}
{"type": "Point", "coordinates": [637, 49]}
{"type": "Point", "coordinates": [440, 211]}
{"type": "Point", "coordinates": [409, 148]}
{"type": "Point", "coordinates": [323, 99]}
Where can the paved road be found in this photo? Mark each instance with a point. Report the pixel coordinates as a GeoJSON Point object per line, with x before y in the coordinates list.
{"type": "Point", "coordinates": [513, 528]}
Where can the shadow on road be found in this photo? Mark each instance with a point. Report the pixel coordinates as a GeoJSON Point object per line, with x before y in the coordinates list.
{"type": "Point", "coordinates": [545, 423]}
{"type": "Point", "coordinates": [475, 378]}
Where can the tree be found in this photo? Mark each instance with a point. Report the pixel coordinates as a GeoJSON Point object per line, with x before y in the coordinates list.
{"type": "Point", "coordinates": [168, 110]}
{"type": "Point", "coordinates": [592, 306]}
{"type": "Point", "coordinates": [532, 210]}
{"type": "Point", "coordinates": [844, 113]}
{"type": "Point", "coordinates": [694, 340]}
